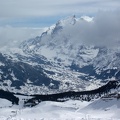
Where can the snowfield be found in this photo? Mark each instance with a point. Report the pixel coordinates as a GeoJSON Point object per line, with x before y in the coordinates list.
{"type": "Point", "coordinates": [5, 103]}
{"type": "Point", "coordinates": [101, 109]}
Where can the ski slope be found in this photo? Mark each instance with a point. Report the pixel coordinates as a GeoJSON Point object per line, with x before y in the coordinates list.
{"type": "Point", "coordinates": [101, 109]}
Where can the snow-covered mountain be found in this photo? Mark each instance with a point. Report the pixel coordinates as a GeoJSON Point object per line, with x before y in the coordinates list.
{"type": "Point", "coordinates": [62, 43]}
{"type": "Point", "coordinates": [59, 60]}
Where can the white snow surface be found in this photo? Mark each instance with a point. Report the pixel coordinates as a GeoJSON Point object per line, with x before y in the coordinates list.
{"type": "Point", "coordinates": [70, 110]}
{"type": "Point", "coordinates": [5, 103]}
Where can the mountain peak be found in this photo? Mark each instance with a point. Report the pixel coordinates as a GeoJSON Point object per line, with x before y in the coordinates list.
{"type": "Point", "coordinates": [67, 20]}
{"type": "Point", "coordinates": [87, 18]}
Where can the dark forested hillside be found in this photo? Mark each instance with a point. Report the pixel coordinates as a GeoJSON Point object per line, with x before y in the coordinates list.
{"type": "Point", "coordinates": [83, 95]}
{"type": "Point", "coordinates": [9, 96]}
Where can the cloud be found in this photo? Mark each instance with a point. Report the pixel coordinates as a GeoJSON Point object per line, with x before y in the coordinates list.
{"type": "Point", "coordinates": [103, 31]}
{"type": "Point", "coordinates": [12, 36]}
{"type": "Point", "coordinates": [31, 8]}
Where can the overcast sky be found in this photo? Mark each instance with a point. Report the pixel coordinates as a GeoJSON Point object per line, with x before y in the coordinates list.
{"type": "Point", "coordinates": [19, 17]}
{"type": "Point", "coordinates": [38, 13]}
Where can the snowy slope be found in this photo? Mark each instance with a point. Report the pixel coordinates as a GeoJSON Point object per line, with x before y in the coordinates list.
{"type": "Point", "coordinates": [5, 103]}
{"type": "Point", "coordinates": [70, 110]}
{"type": "Point", "coordinates": [107, 107]}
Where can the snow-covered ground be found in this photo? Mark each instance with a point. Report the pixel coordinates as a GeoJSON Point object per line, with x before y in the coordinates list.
{"type": "Point", "coordinates": [101, 109]}
{"type": "Point", "coordinates": [5, 103]}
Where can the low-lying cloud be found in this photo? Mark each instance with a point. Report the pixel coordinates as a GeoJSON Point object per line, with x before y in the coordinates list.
{"type": "Point", "coordinates": [103, 31]}
{"type": "Point", "coordinates": [12, 36]}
